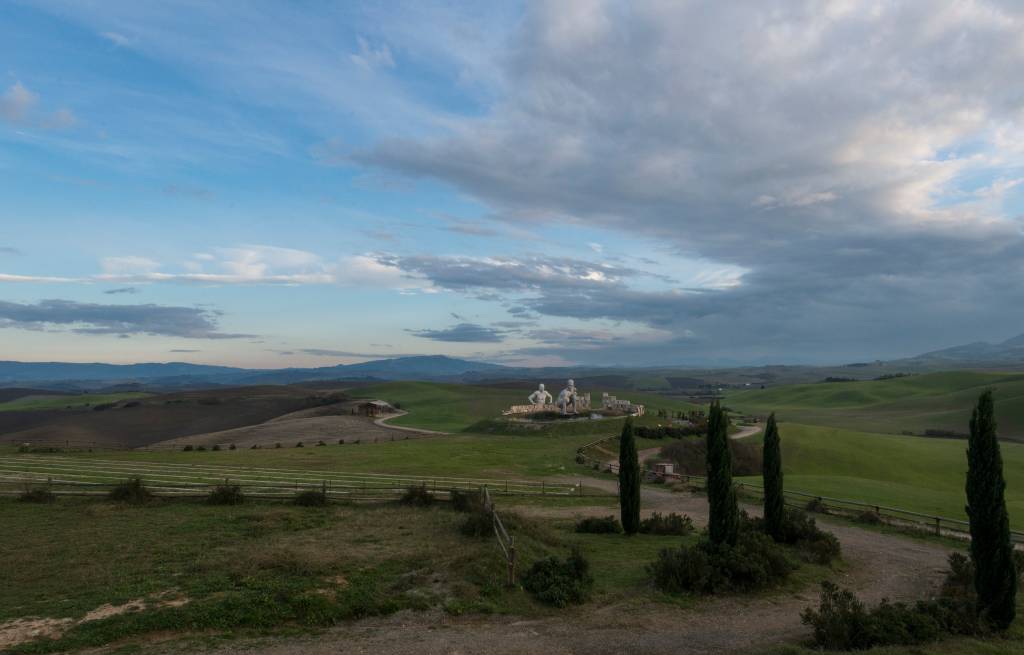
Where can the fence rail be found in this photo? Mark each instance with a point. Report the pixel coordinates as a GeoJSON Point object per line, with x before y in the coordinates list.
{"type": "Point", "coordinates": [182, 478]}
{"type": "Point", "coordinates": [939, 525]}
{"type": "Point", "coordinates": [506, 542]}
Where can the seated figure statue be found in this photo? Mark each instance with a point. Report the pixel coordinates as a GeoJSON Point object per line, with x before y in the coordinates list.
{"type": "Point", "coordinates": [540, 396]}
{"type": "Point", "coordinates": [567, 398]}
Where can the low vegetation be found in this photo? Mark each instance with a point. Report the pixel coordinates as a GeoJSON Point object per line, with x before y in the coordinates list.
{"type": "Point", "coordinates": [599, 525]}
{"type": "Point", "coordinates": [417, 496]}
{"type": "Point", "coordinates": [310, 498]}
{"type": "Point", "coordinates": [37, 495]}
{"type": "Point", "coordinates": [673, 524]}
{"type": "Point", "coordinates": [560, 582]}
{"type": "Point", "coordinates": [225, 494]}
{"type": "Point", "coordinates": [132, 491]}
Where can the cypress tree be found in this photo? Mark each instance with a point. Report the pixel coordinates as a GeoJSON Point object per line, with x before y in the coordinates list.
{"type": "Point", "coordinates": [629, 480]}
{"type": "Point", "coordinates": [724, 513]}
{"type": "Point", "coordinates": [774, 505]}
{"type": "Point", "coordinates": [995, 576]}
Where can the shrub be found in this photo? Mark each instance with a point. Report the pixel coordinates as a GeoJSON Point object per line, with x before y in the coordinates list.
{"type": "Point", "coordinates": [310, 498]}
{"type": "Point", "coordinates": [801, 531]}
{"type": "Point", "coordinates": [868, 517]}
{"type": "Point", "coordinates": [463, 501]}
{"type": "Point", "coordinates": [299, 445]}
{"type": "Point", "coordinates": [842, 622]}
{"type": "Point", "coordinates": [188, 448]}
{"type": "Point", "coordinates": [560, 582]}
{"type": "Point", "coordinates": [277, 445]}
{"type": "Point", "coordinates": [673, 524]}
{"type": "Point", "coordinates": [232, 447]}
{"type": "Point", "coordinates": [417, 496]}
{"type": "Point", "coordinates": [320, 443]}
{"type": "Point", "coordinates": [201, 448]}
{"type": "Point", "coordinates": [131, 491]}
{"type": "Point", "coordinates": [755, 562]}
{"type": "Point", "coordinates": [37, 495]}
{"type": "Point", "coordinates": [599, 525]}
{"type": "Point", "coordinates": [216, 446]}
{"type": "Point", "coordinates": [816, 506]}
{"type": "Point", "coordinates": [341, 442]}
{"type": "Point", "coordinates": [225, 494]}
{"type": "Point", "coordinates": [255, 446]}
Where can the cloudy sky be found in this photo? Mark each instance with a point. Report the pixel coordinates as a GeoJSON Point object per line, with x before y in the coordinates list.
{"type": "Point", "coordinates": [295, 184]}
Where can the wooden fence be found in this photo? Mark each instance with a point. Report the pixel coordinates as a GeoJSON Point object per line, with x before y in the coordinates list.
{"type": "Point", "coordinates": [506, 542]}
{"type": "Point", "coordinates": [939, 525]}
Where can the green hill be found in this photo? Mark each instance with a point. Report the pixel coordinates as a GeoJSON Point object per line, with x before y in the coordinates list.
{"type": "Point", "coordinates": [923, 475]}
{"type": "Point", "coordinates": [935, 401]}
{"type": "Point", "coordinates": [459, 407]}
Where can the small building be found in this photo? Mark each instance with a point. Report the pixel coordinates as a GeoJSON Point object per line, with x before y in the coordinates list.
{"type": "Point", "coordinates": [663, 468]}
{"type": "Point", "coordinates": [375, 408]}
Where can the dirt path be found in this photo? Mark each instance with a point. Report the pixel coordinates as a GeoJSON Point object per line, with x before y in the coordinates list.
{"type": "Point", "coordinates": [879, 566]}
{"type": "Point", "coordinates": [383, 422]}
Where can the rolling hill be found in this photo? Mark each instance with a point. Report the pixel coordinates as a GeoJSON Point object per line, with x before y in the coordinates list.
{"type": "Point", "coordinates": [916, 403]}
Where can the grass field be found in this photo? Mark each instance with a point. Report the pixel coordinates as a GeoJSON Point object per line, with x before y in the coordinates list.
{"type": "Point", "coordinates": [459, 407]}
{"type": "Point", "coordinates": [915, 473]}
{"type": "Point", "coordinates": [37, 403]}
{"type": "Point", "coordinates": [914, 403]}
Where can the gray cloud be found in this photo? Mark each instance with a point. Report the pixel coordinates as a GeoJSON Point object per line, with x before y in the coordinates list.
{"type": "Point", "coordinates": [128, 290]}
{"type": "Point", "coordinates": [463, 333]}
{"type": "Point", "coordinates": [184, 350]}
{"type": "Point", "coordinates": [89, 318]}
{"type": "Point", "coordinates": [851, 161]}
{"type": "Point", "coordinates": [327, 352]}
{"type": "Point", "coordinates": [8, 250]}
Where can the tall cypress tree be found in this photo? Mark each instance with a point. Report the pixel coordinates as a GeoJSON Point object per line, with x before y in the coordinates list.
{"type": "Point", "coordinates": [629, 480]}
{"type": "Point", "coordinates": [995, 576]}
{"type": "Point", "coordinates": [724, 513]}
{"type": "Point", "coordinates": [774, 504]}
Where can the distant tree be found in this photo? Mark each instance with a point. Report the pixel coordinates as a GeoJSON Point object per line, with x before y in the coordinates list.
{"type": "Point", "coordinates": [995, 576]}
{"type": "Point", "coordinates": [724, 513]}
{"type": "Point", "coordinates": [629, 480]}
{"type": "Point", "coordinates": [774, 505]}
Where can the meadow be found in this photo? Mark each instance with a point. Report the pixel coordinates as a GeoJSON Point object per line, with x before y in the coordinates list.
{"type": "Point", "coordinates": [77, 401]}
{"type": "Point", "coordinates": [934, 401]}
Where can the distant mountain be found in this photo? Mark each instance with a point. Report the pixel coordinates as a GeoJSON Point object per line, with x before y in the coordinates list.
{"type": "Point", "coordinates": [181, 374]}
{"type": "Point", "coordinates": [1010, 351]}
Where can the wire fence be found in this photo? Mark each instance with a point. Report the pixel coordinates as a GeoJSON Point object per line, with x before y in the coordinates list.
{"type": "Point", "coordinates": [856, 509]}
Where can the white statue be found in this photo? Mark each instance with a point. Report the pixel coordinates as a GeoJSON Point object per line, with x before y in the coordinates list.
{"type": "Point", "coordinates": [540, 396]}
{"type": "Point", "coordinates": [567, 398]}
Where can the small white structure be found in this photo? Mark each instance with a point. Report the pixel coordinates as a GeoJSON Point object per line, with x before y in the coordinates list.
{"type": "Point", "coordinates": [611, 402]}
{"type": "Point", "coordinates": [664, 468]}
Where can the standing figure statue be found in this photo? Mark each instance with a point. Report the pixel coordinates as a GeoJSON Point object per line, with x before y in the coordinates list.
{"type": "Point", "coordinates": [540, 396]}
{"type": "Point", "coordinates": [567, 398]}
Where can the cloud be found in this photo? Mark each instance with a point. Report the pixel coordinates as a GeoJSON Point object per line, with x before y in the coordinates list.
{"type": "Point", "coordinates": [88, 318]}
{"type": "Point", "coordinates": [9, 250]}
{"type": "Point", "coordinates": [824, 164]}
{"type": "Point", "coordinates": [121, 290]}
{"type": "Point", "coordinates": [463, 333]}
{"type": "Point", "coordinates": [117, 39]}
{"type": "Point", "coordinates": [184, 350]}
{"type": "Point", "coordinates": [371, 57]}
{"type": "Point", "coordinates": [18, 106]}
{"type": "Point", "coordinates": [327, 352]}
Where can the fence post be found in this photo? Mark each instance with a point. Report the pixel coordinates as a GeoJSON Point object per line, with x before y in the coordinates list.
{"type": "Point", "coordinates": [579, 485]}
{"type": "Point", "coordinates": [938, 528]}
{"type": "Point", "coordinates": [512, 561]}
{"type": "Point", "coordinates": [541, 487]}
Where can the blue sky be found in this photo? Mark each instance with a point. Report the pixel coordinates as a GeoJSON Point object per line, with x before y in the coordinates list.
{"type": "Point", "coordinates": [296, 184]}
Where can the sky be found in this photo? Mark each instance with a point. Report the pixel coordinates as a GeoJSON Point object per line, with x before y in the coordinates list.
{"type": "Point", "coordinates": [541, 183]}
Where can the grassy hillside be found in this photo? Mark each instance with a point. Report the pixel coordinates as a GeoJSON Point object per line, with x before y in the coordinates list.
{"type": "Point", "coordinates": [915, 473]}
{"type": "Point", "coordinates": [916, 403]}
{"type": "Point", "coordinates": [458, 407]}
{"type": "Point", "coordinates": [44, 402]}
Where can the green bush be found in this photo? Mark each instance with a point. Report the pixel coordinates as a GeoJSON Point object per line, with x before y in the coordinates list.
{"type": "Point", "coordinates": [755, 562]}
{"type": "Point", "coordinates": [801, 531]}
{"type": "Point", "coordinates": [466, 501]}
{"type": "Point", "coordinates": [131, 491]}
{"type": "Point", "coordinates": [842, 622]}
{"type": "Point", "coordinates": [299, 445]}
{"type": "Point", "coordinates": [188, 448]}
{"type": "Point", "coordinates": [599, 525]}
{"type": "Point", "coordinates": [673, 524]}
{"type": "Point", "coordinates": [868, 517]}
{"type": "Point", "coordinates": [560, 582]}
{"type": "Point", "coordinates": [478, 523]}
{"type": "Point", "coordinates": [232, 447]}
{"type": "Point", "coordinates": [310, 498]}
{"type": "Point", "coordinates": [225, 494]}
{"type": "Point", "coordinates": [216, 447]}
{"type": "Point", "coordinates": [201, 448]}
{"type": "Point", "coordinates": [37, 495]}
{"type": "Point", "coordinates": [417, 496]}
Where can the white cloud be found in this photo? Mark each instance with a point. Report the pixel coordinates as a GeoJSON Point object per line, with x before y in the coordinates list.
{"type": "Point", "coordinates": [16, 104]}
